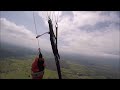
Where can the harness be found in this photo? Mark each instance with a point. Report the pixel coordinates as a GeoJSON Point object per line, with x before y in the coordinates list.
{"type": "Point", "coordinates": [37, 74]}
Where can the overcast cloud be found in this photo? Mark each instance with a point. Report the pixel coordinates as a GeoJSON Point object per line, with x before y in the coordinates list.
{"type": "Point", "coordinates": [89, 33]}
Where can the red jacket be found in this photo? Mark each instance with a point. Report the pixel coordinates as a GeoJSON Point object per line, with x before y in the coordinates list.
{"type": "Point", "coordinates": [35, 69]}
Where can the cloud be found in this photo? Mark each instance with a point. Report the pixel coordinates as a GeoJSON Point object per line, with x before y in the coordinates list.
{"type": "Point", "coordinates": [54, 15]}
{"type": "Point", "coordinates": [19, 35]}
{"type": "Point", "coordinates": [15, 29]}
{"type": "Point", "coordinates": [82, 32]}
{"type": "Point", "coordinates": [93, 33]}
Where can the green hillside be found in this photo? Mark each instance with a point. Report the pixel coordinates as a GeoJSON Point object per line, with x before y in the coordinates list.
{"type": "Point", "coordinates": [11, 68]}
{"type": "Point", "coordinates": [20, 68]}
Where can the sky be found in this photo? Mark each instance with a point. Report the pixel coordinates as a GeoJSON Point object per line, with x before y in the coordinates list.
{"type": "Point", "coordinates": [95, 33]}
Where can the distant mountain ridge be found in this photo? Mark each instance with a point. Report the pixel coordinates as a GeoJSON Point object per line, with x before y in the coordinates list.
{"type": "Point", "coordinates": [10, 50]}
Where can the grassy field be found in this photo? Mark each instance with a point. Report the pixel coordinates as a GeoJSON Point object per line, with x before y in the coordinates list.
{"type": "Point", "coordinates": [77, 71]}
{"type": "Point", "coordinates": [20, 69]}
{"type": "Point", "coordinates": [14, 68]}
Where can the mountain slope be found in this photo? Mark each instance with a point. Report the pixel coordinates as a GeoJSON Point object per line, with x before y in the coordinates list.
{"type": "Point", "coordinates": [9, 50]}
